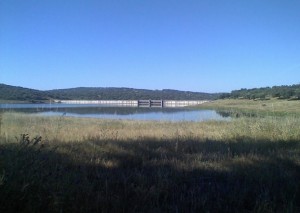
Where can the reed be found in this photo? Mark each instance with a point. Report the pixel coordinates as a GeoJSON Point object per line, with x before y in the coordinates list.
{"type": "Point", "coordinates": [61, 164]}
{"type": "Point", "coordinates": [272, 107]}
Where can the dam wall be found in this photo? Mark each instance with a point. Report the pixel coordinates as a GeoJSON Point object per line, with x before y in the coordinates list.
{"type": "Point", "coordinates": [137, 103]}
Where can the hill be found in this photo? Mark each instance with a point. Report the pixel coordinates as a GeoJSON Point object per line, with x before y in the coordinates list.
{"type": "Point", "coordinates": [112, 93]}
{"type": "Point", "coordinates": [13, 93]}
{"type": "Point", "coordinates": [280, 92]}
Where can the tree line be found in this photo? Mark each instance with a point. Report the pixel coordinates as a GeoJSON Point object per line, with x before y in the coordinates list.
{"type": "Point", "coordinates": [8, 92]}
{"type": "Point", "coordinates": [14, 93]}
{"type": "Point", "coordinates": [281, 92]}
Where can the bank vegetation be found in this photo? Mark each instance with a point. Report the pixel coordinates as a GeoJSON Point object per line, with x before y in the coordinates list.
{"type": "Point", "coordinates": [62, 164]}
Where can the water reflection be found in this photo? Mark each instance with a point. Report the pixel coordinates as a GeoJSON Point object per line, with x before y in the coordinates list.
{"type": "Point", "coordinates": [105, 112]}
{"type": "Point", "coordinates": [235, 113]}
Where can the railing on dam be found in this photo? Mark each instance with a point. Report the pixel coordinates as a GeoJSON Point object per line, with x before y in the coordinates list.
{"type": "Point", "coordinates": [136, 103]}
{"type": "Point", "coordinates": [173, 103]}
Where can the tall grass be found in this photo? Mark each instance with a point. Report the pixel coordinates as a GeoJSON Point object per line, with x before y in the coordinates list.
{"type": "Point", "coordinates": [61, 164]}
{"type": "Point", "coordinates": [273, 107]}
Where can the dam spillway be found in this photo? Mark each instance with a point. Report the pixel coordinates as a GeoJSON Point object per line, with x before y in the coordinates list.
{"type": "Point", "coordinates": [136, 103]}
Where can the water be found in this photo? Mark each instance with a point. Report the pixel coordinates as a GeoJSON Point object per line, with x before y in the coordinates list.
{"type": "Point", "coordinates": [112, 112]}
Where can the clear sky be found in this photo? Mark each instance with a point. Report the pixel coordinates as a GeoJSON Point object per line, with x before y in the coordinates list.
{"type": "Point", "coordinates": [199, 45]}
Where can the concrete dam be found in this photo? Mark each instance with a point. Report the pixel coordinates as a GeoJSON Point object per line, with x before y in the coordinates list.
{"type": "Point", "coordinates": [137, 103]}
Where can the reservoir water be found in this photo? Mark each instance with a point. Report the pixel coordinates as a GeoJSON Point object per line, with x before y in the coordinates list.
{"type": "Point", "coordinates": [112, 112]}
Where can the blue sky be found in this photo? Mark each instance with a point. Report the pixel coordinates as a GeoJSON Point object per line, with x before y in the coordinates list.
{"type": "Point", "coordinates": [203, 45]}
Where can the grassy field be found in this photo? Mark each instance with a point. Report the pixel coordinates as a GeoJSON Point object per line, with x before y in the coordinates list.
{"type": "Point", "coordinates": [61, 164]}
{"type": "Point", "coordinates": [273, 107]}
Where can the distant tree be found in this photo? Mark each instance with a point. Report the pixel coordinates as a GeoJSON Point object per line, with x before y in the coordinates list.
{"type": "Point", "coordinates": [224, 95]}
{"type": "Point", "coordinates": [297, 93]}
{"type": "Point", "coordinates": [283, 92]}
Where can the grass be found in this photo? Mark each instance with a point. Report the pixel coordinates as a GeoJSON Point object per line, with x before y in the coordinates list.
{"type": "Point", "coordinates": [272, 107]}
{"type": "Point", "coordinates": [61, 164]}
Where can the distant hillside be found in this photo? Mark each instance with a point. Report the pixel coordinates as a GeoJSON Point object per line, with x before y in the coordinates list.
{"type": "Point", "coordinates": [98, 93]}
{"type": "Point", "coordinates": [280, 92]}
{"type": "Point", "coordinates": [111, 93]}
{"type": "Point", "coordinates": [14, 93]}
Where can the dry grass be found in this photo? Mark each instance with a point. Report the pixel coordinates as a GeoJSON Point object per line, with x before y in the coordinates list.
{"type": "Point", "coordinates": [66, 129]}
{"type": "Point", "coordinates": [92, 165]}
{"type": "Point", "coordinates": [273, 107]}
